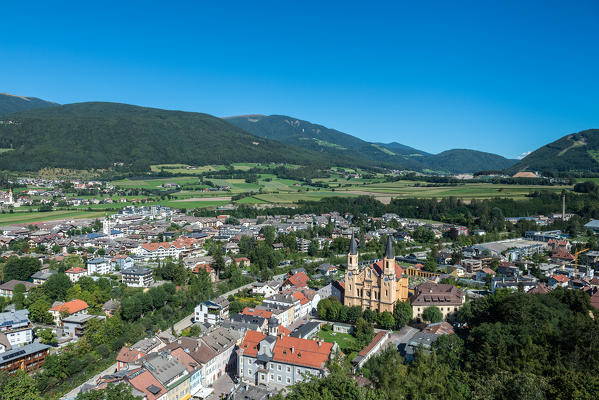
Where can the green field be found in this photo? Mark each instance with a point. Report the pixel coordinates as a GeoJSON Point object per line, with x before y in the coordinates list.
{"type": "Point", "coordinates": [30, 217]}
{"type": "Point", "coordinates": [345, 341]}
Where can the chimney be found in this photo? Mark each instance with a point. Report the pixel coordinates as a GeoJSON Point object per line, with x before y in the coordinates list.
{"type": "Point", "coordinates": [319, 343]}
{"type": "Point", "coordinates": [292, 349]}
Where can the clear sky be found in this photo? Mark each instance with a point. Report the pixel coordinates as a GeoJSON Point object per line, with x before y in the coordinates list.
{"type": "Point", "coordinates": [498, 76]}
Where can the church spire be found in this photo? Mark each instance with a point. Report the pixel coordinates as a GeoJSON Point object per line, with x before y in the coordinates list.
{"type": "Point", "coordinates": [389, 250]}
{"type": "Point", "coordinates": [353, 245]}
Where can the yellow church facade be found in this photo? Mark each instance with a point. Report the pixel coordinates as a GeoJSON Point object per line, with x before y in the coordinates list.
{"type": "Point", "coordinates": [376, 286]}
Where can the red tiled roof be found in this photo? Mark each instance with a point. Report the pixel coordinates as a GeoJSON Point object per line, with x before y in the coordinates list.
{"type": "Point", "coordinates": [299, 279]}
{"type": "Point", "coordinates": [560, 278]}
{"type": "Point", "coordinates": [143, 381]}
{"type": "Point", "coordinates": [127, 355]}
{"type": "Point", "coordinates": [309, 353]}
{"type": "Point", "coordinates": [256, 312]}
{"type": "Point", "coordinates": [377, 338]}
{"type": "Point", "coordinates": [76, 270]}
{"type": "Point", "coordinates": [283, 331]}
{"type": "Point", "coordinates": [250, 343]}
{"type": "Point", "coordinates": [71, 307]}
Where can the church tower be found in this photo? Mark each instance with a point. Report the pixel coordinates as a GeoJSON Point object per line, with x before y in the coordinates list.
{"type": "Point", "coordinates": [352, 254]}
{"type": "Point", "coordinates": [11, 198]}
{"type": "Point", "coordinates": [389, 260]}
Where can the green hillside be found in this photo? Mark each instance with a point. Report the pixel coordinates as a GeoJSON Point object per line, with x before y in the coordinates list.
{"type": "Point", "coordinates": [464, 160]}
{"type": "Point", "coordinates": [319, 138]}
{"type": "Point", "coordinates": [98, 135]}
{"type": "Point", "coordinates": [315, 137]}
{"type": "Point", "coordinates": [578, 152]}
{"type": "Point", "coordinates": [10, 103]}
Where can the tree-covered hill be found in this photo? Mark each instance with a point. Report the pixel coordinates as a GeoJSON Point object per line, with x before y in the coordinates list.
{"type": "Point", "coordinates": [9, 103]}
{"type": "Point", "coordinates": [311, 136]}
{"type": "Point", "coordinates": [315, 137]}
{"type": "Point", "coordinates": [98, 135]}
{"type": "Point", "coordinates": [463, 160]}
{"type": "Point", "coordinates": [577, 152]}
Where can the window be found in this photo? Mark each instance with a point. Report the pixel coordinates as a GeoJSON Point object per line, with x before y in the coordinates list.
{"type": "Point", "coordinates": [288, 369]}
{"type": "Point", "coordinates": [249, 371]}
{"type": "Point", "coordinates": [279, 367]}
{"type": "Point", "coordinates": [272, 377]}
{"type": "Point", "coordinates": [278, 378]}
{"type": "Point", "coordinates": [288, 380]}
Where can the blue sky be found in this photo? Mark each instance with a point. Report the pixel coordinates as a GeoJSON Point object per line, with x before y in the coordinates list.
{"type": "Point", "coordinates": [504, 77]}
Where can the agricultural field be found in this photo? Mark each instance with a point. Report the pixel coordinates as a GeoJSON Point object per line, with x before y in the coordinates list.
{"type": "Point", "coordinates": [31, 217]}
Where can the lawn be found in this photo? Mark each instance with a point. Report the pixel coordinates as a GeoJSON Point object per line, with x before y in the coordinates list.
{"type": "Point", "coordinates": [346, 342]}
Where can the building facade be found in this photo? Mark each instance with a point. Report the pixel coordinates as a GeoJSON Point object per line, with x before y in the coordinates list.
{"type": "Point", "coordinates": [376, 286]}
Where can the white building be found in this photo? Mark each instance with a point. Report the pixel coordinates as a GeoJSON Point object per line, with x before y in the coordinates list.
{"type": "Point", "coordinates": [17, 327]}
{"type": "Point", "coordinates": [137, 277]}
{"type": "Point", "coordinates": [100, 266]}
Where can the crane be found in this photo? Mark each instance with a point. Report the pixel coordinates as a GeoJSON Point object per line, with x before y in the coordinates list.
{"type": "Point", "coordinates": [576, 254]}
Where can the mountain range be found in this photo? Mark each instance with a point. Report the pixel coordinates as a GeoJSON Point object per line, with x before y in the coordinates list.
{"type": "Point", "coordinates": [34, 133]}
{"type": "Point", "coordinates": [315, 137]}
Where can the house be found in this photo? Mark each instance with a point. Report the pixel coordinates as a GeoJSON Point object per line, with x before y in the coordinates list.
{"type": "Point", "coordinates": [297, 280]}
{"type": "Point", "coordinates": [212, 312]}
{"type": "Point", "coordinates": [483, 273]}
{"type": "Point", "coordinates": [558, 280]}
{"type": "Point", "coordinates": [223, 343]}
{"type": "Point", "coordinates": [276, 361]}
{"type": "Point", "coordinates": [129, 355]}
{"type": "Point", "coordinates": [303, 245]}
{"type": "Point", "coordinates": [100, 266]}
{"type": "Point", "coordinates": [447, 298]}
{"type": "Point", "coordinates": [171, 374]}
{"type": "Point", "coordinates": [6, 289]}
{"type": "Point", "coordinates": [266, 289]}
{"type": "Point", "coordinates": [231, 247]}
{"type": "Point", "coordinates": [327, 269]}
{"type": "Point", "coordinates": [242, 261]}
{"type": "Point", "coordinates": [110, 307]}
{"type": "Point", "coordinates": [137, 276]}
{"type": "Point", "coordinates": [307, 331]}
{"type": "Point", "coordinates": [28, 357]}
{"type": "Point", "coordinates": [121, 262]}
{"type": "Point", "coordinates": [423, 340]}
{"type": "Point", "coordinates": [75, 325]}
{"type": "Point", "coordinates": [40, 277]}
{"type": "Point", "coordinates": [17, 327]}
{"type": "Point", "coordinates": [76, 273]}
{"type": "Point", "coordinates": [209, 270]}
{"type": "Point", "coordinates": [73, 307]}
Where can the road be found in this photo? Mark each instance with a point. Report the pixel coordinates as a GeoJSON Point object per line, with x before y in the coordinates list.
{"type": "Point", "coordinates": [179, 326]}
{"type": "Point", "coordinates": [73, 393]}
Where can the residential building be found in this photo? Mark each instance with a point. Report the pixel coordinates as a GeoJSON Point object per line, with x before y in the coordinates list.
{"type": "Point", "coordinates": [376, 286]}
{"type": "Point", "coordinates": [40, 277]}
{"type": "Point", "coordinates": [171, 374]}
{"type": "Point", "coordinates": [137, 276]}
{"type": "Point", "coordinates": [76, 273]}
{"type": "Point", "coordinates": [6, 289]}
{"type": "Point", "coordinates": [447, 298]}
{"type": "Point", "coordinates": [73, 307]}
{"type": "Point", "coordinates": [180, 246]}
{"type": "Point", "coordinates": [17, 327]}
{"type": "Point", "coordinates": [279, 361]}
{"type": "Point", "coordinates": [100, 266]}
{"type": "Point", "coordinates": [209, 312]}
{"type": "Point", "coordinates": [28, 357]}
{"type": "Point", "coordinates": [75, 325]}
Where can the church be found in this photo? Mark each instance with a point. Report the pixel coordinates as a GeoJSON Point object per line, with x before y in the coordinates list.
{"type": "Point", "coordinates": [376, 286]}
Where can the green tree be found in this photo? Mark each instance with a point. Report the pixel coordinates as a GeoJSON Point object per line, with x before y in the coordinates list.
{"type": "Point", "coordinates": [47, 336]}
{"type": "Point", "coordinates": [122, 391]}
{"type": "Point", "coordinates": [432, 314]}
{"type": "Point", "coordinates": [20, 268]}
{"type": "Point", "coordinates": [18, 296]}
{"type": "Point", "coordinates": [386, 320]}
{"type": "Point", "coordinates": [402, 312]}
{"type": "Point", "coordinates": [364, 332]}
{"type": "Point", "coordinates": [56, 287]}
{"type": "Point", "coordinates": [18, 386]}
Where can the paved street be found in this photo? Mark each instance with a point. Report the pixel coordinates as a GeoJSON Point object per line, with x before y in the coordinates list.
{"type": "Point", "coordinates": [73, 393]}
